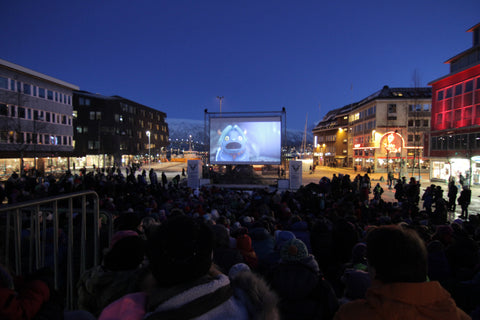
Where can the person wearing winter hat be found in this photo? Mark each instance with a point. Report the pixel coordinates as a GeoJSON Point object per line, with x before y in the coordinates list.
{"type": "Point", "coordinates": [121, 272]}
{"type": "Point", "coordinates": [356, 284]}
{"type": "Point", "coordinates": [397, 260]}
{"type": "Point", "coordinates": [224, 256]}
{"type": "Point", "coordinates": [303, 292]}
{"type": "Point", "coordinates": [187, 285]}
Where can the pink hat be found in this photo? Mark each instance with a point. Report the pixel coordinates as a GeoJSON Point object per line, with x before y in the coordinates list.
{"type": "Point", "coordinates": [119, 235]}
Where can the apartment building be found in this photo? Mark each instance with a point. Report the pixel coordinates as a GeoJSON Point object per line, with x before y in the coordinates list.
{"type": "Point", "coordinates": [112, 130]}
{"type": "Point", "coordinates": [35, 120]}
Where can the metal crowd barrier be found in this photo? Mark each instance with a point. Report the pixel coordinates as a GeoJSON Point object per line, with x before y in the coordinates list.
{"type": "Point", "coordinates": [30, 211]}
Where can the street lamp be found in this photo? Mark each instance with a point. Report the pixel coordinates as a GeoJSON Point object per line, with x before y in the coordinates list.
{"type": "Point", "coordinates": [190, 142]}
{"type": "Point", "coordinates": [148, 135]}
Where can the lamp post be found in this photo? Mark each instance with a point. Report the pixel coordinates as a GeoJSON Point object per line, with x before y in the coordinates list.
{"type": "Point", "coordinates": [149, 163]}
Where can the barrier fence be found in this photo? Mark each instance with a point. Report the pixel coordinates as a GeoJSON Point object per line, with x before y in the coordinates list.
{"type": "Point", "coordinates": [32, 234]}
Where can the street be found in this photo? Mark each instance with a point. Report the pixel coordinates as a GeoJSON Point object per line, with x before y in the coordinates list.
{"type": "Point", "coordinates": [171, 169]}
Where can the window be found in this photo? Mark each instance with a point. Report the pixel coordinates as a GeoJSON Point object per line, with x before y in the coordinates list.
{"type": "Point", "coordinates": [410, 123]}
{"type": "Point", "coordinates": [56, 96]}
{"type": "Point", "coordinates": [425, 122]}
{"type": "Point", "coordinates": [49, 94]}
{"type": "Point", "coordinates": [21, 112]}
{"type": "Point", "coordinates": [410, 138]}
{"type": "Point", "coordinates": [439, 118]}
{"type": "Point", "coordinates": [469, 86]}
{"type": "Point", "coordinates": [34, 91]}
{"type": "Point", "coordinates": [449, 93]}
{"type": "Point", "coordinates": [3, 110]}
{"type": "Point", "coordinates": [47, 116]}
{"type": "Point", "coordinates": [417, 138]}
{"type": "Point", "coordinates": [3, 83]}
{"type": "Point", "coordinates": [19, 86]}
{"type": "Point", "coordinates": [426, 107]}
{"type": "Point", "coordinates": [417, 123]}
{"type": "Point", "coordinates": [458, 89]}
{"type": "Point", "coordinates": [458, 115]}
{"type": "Point", "coordinates": [65, 141]}
{"type": "Point", "coordinates": [392, 108]}
{"type": "Point", "coordinates": [37, 115]}
{"type": "Point", "coordinates": [440, 95]}
{"type": "Point", "coordinates": [41, 92]}
{"type": "Point", "coordinates": [27, 89]}
{"type": "Point", "coordinates": [92, 145]}
{"type": "Point", "coordinates": [29, 114]}
{"type": "Point", "coordinates": [47, 139]}
{"type": "Point", "coordinates": [19, 137]}
{"type": "Point", "coordinates": [64, 119]}
{"type": "Point", "coordinates": [95, 115]}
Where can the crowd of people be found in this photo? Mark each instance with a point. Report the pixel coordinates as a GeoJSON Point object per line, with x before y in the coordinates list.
{"type": "Point", "coordinates": [332, 249]}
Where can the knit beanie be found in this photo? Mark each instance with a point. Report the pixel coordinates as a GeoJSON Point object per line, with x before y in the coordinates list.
{"type": "Point", "coordinates": [119, 235]}
{"type": "Point", "coordinates": [294, 250]}
{"type": "Point", "coordinates": [281, 237]}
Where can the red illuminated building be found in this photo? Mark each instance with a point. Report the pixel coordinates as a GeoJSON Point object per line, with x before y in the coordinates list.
{"type": "Point", "coordinates": [455, 120]}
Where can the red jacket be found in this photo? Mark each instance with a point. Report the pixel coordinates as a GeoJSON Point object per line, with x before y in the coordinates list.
{"type": "Point", "coordinates": [425, 300]}
{"type": "Point", "coordinates": [24, 303]}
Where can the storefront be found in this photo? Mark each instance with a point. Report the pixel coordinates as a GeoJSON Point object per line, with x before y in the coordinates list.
{"type": "Point", "coordinates": [446, 169]}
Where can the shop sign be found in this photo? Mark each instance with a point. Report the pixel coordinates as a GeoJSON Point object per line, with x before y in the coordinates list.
{"type": "Point", "coordinates": [391, 142]}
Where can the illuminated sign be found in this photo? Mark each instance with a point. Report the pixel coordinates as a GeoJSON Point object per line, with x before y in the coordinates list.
{"type": "Point", "coordinates": [392, 142]}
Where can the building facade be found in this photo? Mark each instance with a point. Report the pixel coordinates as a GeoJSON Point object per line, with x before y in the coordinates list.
{"type": "Point", "coordinates": [112, 130]}
{"type": "Point", "coordinates": [455, 132]}
{"type": "Point", "coordinates": [35, 120]}
{"type": "Point", "coordinates": [389, 130]}
{"type": "Point", "coordinates": [386, 131]}
{"type": "Point", "coordinates": [331, 143]}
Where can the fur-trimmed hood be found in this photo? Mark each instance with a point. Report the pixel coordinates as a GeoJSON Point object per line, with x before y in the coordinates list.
{"type": "Point", "coordinates": [260, 301]}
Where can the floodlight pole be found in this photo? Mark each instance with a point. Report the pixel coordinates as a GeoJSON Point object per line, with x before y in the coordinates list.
{"type": "Point", "coordinates": [220, 99]}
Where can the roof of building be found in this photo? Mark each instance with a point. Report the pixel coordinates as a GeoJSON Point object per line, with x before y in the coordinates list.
{"type": "Point", "coordinates": [36, 74]}
{"type": "Point", "coordinates": [385, 93]}
{"type": "Point", "coordinates": [397, 93]}
{"type": "Point", "coordinates": [113, 98]}
{"type": "Point", "coordinates": [474, 27]}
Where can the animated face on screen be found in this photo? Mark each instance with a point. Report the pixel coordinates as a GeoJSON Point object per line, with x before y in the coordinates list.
{"type": "Point", "coordinates": [232, 144]}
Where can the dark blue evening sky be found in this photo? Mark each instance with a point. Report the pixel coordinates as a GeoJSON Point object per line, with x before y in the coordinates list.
{"type": "Point", "coordinates": [177, 56]}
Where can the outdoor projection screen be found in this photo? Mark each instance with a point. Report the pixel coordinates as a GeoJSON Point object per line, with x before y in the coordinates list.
{"type": "Point", "coordinates": [245, 140]}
